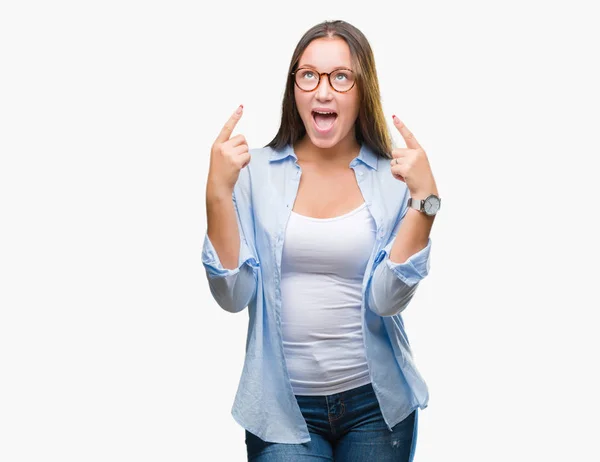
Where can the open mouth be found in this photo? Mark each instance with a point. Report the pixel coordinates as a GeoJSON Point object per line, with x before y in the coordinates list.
{"type": "Point", "coordinates": [324, 120]}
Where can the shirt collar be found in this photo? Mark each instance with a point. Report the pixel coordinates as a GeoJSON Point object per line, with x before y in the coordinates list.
{"type": "Point", "coordinates": [287, 151]}
{"type": "Point", "coordinates": [366, 155]}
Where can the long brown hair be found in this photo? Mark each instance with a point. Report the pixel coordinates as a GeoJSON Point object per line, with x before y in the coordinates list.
{"type": "Point", "coordinates": [370, 127]}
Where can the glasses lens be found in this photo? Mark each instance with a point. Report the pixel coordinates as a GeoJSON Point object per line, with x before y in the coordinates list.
{"type": "Point", "coordinates": [307, 79]}
{"type": "Point", "coordinates": [342, 80]}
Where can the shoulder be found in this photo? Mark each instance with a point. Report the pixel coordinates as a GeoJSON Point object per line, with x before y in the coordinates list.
{"type": "Point", "coordinates": [262, 155]}
{"type": "Point", "coordinates": [259, 161]}
{"type": "Point", "coordinates": [390, 193]}
{"type": "Point", "coordinates": [380, 171]}
{"type": "Point", "coordinates": [257, 169]}
{"type": "Point", "coordinates": [386, 180]}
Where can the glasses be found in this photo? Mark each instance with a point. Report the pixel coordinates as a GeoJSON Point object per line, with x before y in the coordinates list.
{"type": "Point", "coordinates": [307, 79]}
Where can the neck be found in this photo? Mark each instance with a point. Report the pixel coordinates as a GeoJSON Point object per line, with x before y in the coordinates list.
{"type": "Point", "coordinates": [340, 154]}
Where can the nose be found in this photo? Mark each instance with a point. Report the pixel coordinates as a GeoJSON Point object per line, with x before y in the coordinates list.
{"type": "Point", "coordinates": [324, 92]}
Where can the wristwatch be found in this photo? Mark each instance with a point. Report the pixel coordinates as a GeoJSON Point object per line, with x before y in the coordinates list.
{"type": "Point", "coordinates": [429, 206]}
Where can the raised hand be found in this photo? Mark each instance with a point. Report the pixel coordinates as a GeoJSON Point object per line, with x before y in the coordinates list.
{"type": "Point", "coordinates": [411, 164]}
{"type": "Point", "coordinates": [228, 156]}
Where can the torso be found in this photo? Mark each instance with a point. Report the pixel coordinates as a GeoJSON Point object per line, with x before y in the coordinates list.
{"type": "Point", "coordinates": [327, 192]}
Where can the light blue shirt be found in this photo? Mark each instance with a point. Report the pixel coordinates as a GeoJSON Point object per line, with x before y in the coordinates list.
{"type": "Point", "coordinates": [263, 197]}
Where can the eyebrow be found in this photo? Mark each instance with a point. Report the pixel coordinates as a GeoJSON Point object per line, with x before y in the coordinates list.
{"type": "Point", "coordinates": [315, 67]}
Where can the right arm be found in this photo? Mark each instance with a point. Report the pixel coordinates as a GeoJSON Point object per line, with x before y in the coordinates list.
{"type": "Point", "coordinates": [222, 226]}
{"type": "Point", "coordinates": [227, 254]}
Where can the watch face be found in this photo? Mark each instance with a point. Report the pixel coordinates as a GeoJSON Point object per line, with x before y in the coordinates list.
{"type": "Point", "coordinates": [432, 205]}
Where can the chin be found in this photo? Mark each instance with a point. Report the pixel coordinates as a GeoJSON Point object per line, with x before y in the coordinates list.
{"type": "Point", "coordinates": [323, 143]}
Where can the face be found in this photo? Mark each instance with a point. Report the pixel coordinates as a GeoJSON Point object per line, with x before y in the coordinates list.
{"type": "Point", "coordinates": [325, 55]}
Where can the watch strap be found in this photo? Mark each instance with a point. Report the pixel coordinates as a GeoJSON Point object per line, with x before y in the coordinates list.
{"type": "Point", "coordinates": [416, 204]}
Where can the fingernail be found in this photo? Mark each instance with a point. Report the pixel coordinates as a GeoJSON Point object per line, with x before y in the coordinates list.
{"type": "Point", "coordinates": [394, 117]}
{"type": "Point", "coordinates": [239, 109]}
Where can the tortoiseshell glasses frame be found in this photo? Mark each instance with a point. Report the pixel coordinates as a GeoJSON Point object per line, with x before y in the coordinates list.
{"type": "Point", "coordinates": [320, 74]}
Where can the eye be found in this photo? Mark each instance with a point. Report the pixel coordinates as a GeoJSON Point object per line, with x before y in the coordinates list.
{"type": "Point", "coordinates": [307, 74]}
{"type": "Point", "coordinates": [343, 76]}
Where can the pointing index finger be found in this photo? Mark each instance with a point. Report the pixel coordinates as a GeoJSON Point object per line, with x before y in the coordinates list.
{"type": "Point", "coordinates": [409, 138]}
{"type": "Point", "coordinates": [230, 125]}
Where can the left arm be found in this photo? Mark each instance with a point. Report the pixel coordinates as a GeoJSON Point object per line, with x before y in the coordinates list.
{"type": "Point", "coordinates": [404, 262]}
{"type": "Point", "coordinates": [414, 231]}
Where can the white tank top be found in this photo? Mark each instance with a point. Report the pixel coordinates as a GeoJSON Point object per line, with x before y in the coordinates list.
{"type": "Point", "coordinates": [322, 268]}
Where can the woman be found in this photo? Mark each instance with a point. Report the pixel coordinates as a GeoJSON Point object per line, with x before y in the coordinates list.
{"type": "Point", "coordinates": [315, 235]}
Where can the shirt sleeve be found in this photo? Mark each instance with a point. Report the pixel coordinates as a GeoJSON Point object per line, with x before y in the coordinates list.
{"type": "Point", "coordinates": [393, 285]}
{"type": "Point", "coordinates": [234, 289]}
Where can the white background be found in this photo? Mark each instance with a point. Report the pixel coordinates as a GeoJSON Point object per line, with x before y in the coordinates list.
{"type": "Point", "coordinates": [111, 347]}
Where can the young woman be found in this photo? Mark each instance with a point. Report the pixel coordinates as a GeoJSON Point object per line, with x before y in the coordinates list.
{"type": "Point", "coordinates": [324, 235]}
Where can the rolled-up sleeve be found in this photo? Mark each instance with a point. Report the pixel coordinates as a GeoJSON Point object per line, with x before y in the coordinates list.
{"type": "Point", "coordinates": [234, 289]}
{"type": "Point", "coordinates": [393, 285]}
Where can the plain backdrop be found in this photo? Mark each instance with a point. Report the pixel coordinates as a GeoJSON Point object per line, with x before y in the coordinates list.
{"type": "Point", "coordinates": [111, 347]}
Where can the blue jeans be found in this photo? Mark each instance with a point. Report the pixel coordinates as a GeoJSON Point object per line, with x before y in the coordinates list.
{"type": "Point", "coordinates": [344, 427]}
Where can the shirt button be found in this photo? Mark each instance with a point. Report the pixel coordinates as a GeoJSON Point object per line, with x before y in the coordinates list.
{"type": "Point", "coordinates": [360, 173]}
